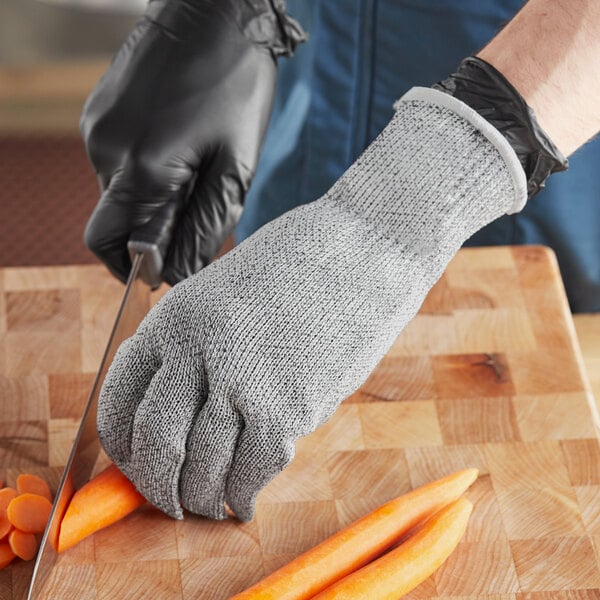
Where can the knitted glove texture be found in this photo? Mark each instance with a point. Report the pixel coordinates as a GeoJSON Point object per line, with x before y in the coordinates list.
{"type": "Point", "coordinates": [203, 405]}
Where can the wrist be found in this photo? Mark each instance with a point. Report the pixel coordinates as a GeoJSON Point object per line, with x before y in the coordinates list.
{"type": "Point", "coordinates": [482, 87]}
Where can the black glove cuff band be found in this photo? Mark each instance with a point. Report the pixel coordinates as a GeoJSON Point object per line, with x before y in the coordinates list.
{"type": "Point", "coordinates": [267, 23]}
{"type": "Point", "coordinates": [487, 91]}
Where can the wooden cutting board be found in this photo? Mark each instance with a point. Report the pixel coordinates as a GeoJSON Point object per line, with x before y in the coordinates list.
{"type": "Point", "coordinates": [487, 375]}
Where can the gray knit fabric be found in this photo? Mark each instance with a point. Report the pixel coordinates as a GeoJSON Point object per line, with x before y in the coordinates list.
{"type": "Point", "coordinates": [203, 405]}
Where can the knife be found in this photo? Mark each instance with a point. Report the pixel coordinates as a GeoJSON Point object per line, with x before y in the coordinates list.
{"type": "Point", "coordinates": [146, 269]}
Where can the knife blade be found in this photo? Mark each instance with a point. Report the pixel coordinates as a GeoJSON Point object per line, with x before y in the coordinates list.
{"type": "Point", "coordinates": [86, 450]}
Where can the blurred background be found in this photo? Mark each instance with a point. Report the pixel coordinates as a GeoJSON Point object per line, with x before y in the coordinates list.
{"type": "Point", "coordinates": [52, 52]}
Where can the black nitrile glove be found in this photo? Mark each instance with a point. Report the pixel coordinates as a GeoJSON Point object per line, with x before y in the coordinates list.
{"type": "Point", "coordinates": [482, 87]}
{"type": "Point", "coordinates": [175, 126]}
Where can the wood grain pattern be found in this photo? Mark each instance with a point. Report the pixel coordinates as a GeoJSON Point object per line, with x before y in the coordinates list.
{"type": "Point", "coordinates": [487, 375]}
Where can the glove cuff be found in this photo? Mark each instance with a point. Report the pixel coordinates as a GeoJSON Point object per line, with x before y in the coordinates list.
{"type": "Point", "coordinates": [262, 22]}
{"type": "Point", "coordinates": [487, 91]}
{"type": "Point", "coordinates": [266, 23]}
{"type": "Point", "coordinates": [506, 151]}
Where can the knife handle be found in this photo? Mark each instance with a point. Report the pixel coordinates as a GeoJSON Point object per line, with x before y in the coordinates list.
{"type": "Point", "coordinates": [153, 240]}
{"type": "Point", "coordinates": [151, 269]}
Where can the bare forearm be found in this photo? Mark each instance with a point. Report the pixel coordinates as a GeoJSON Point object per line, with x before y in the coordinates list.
{"type": "Point", "coordinates": [550, 52]}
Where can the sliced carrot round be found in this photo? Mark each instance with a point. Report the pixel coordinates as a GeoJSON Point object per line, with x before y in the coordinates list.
{"type": "Point", "coordinates": [29, 512]}
{"type": "Point", "coordinates": [24, 545]}
{"type": "Point", "coordinates": [27, 482]}
{"type": "Point", "coordinates": [6, 554]}
{"type": "Point", "coordinates": [6, 495]}
{"type": "Point", "coordinates": [5, 525]}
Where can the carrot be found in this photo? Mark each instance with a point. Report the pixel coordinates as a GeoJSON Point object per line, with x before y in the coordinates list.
{"type": "Point", "coordinates": [102, 501]}
{"type": "Point", "coordinates": [6, 555]}
{"type": "Point", "coordinates": [60, 509]}
{"type": "Point", "coordinates": [359, 543]}
{"type": "Point", "coordinates": [26, 482]}
{"type": "Point", "coordinates": [6, 495]}
{"type": "Point", "coordinates": [404, 568]}
{"type": "Point", "coordinates": [29, 512]}
{"type": "Point", "coordinates": [24, 545]}
{"type": "Point", "coordinates": [5, 525]}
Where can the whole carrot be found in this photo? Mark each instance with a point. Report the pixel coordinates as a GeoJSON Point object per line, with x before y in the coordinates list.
{"type": "Point", "coordinates": [402, 569]}
{"type": "Point", "coordinates": [359, 543]}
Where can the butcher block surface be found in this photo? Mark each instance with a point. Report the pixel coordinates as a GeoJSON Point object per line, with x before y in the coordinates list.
{"type": "Point", "coordinates": [487, 375]}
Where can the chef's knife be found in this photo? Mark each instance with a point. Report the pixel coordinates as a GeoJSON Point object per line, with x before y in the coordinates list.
{"type": "Point", "coordinates": [145, 270]}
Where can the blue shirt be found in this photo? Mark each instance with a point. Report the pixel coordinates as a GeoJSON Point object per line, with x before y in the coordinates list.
{"type": "Point", "coordinates": [337, 93]}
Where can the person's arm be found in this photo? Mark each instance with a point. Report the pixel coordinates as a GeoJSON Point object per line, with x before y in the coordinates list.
{"type": "Point", "coordinates": [550, 52]}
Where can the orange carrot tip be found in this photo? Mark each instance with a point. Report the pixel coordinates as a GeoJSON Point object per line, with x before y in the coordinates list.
{"type": "Point", "coordinates": [6, 555]}
{"type": "Point", "coordinates": [28, 483]}
{"type": "Point", "coordinates": [29, 512]}
{"type": "Point", "coordinates": [402, 569]}
{"type": "Point", "coordinates": [104, 500]}
{"type": "Point", "coordinates": [6, 495]}
{"type": "Point", "coordinates": [359, 543]}
{"type": "Point", "coordinates": [24, 545]}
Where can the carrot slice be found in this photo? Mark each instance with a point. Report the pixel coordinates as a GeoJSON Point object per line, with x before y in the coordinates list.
{"type": "Point", "coordinates": [6, 555]}
{"type": "Point", "coordinates": [24, 545]}
{"type": "Point", "coordinates": [27, 482]}
{"type": "Point", "coordinates": [404, 568]}
{"type": "Point", "coordinates": [5, 525]}
{"type": "Point", "coordinates": [102, 501]}
{"type": "Point", "coordinates": [29, 512]}
{"type": "Point", "coordinates": [6, 495]}
{"type": "Point", "coordinates": [359, 543]}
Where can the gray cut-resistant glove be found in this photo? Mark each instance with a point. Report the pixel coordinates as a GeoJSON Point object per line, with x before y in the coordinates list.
{"type": "Point", "coordinates": [203, 405]}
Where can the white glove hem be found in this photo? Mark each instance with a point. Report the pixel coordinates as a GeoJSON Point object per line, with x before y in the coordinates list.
{"type": "Point", "coordinates": [464, 111]}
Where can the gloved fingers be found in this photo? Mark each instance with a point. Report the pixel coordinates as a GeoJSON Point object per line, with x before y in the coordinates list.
{"type": "Point", "coordinates": [261, 454]}
{"type": "Point", "coordinates": [107, 232]}
{"type": "Point", "coordinates": [210, 449]}
{"type": "Point", "coordinates": [160, 429]}
{"type": "Point", "coordinates": [213, 210]}
{"type": "Point", "coordinates": [124, 386]}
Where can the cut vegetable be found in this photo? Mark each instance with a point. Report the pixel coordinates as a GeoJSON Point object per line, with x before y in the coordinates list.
{"type": "Point", "coordinates": [359, 543]}
{"type": "Point", "coordinates": [24, 545]}
{"type": "Point", "coordinates": [6, 555]}
{"type": "Point", "coordinates": [26, 482]}
{"type": "Point", "coordinates": [62, 502]}
{"type": "Point", "coordinates": [5, 525]}
{"type": "Point", "coordinates": [6, 495]}
{"type": "Point", "coordinates": [102, 501]}
{"type": "Point", "coordinates": [29, 512]}
{"type": "Point", "coordinates": [402, 569]}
